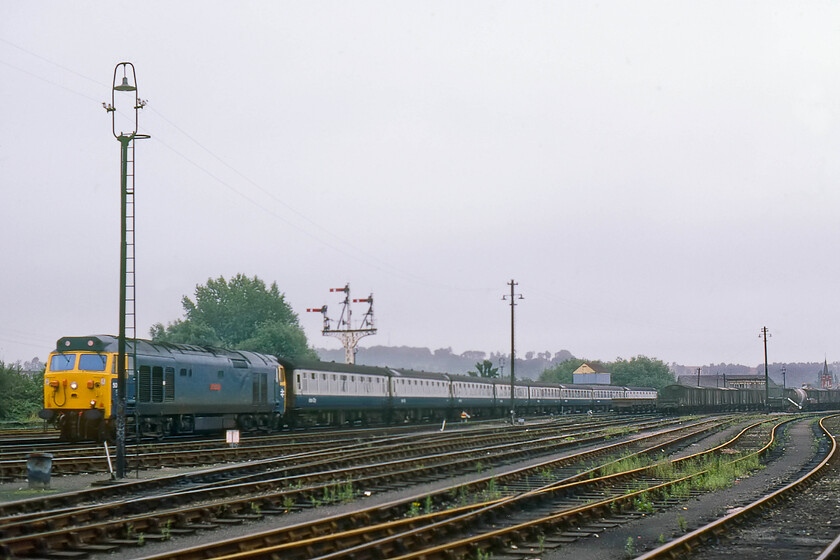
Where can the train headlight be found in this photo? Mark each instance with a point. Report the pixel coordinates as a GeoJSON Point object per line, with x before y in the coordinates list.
{"type": "Point", "coordinates": [93, 404]}
{"type": "Point", "coordinates": [74, 385]}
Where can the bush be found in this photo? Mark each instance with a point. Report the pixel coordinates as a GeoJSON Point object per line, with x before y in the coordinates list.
{"type": "Point", "coordinates": [21, 394]}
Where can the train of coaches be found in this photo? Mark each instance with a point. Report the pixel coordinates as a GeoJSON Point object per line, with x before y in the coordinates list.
{"type": "Point", "coordinates": [181, 389]}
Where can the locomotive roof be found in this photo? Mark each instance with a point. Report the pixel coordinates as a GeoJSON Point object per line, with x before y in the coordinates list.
{"type": "Point", "coordinates": [110, 343]}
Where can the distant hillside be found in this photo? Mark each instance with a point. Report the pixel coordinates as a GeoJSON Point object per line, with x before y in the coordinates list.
{"type": "Point", "coordinates": [532, 364]}
{"type": "Point", "coordinates": [443, 360]}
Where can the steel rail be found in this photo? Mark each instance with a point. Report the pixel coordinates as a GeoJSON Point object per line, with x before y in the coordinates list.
{"type": "Point", "coordinates": [831, 551]}
{"type": "Point", "coordinates": [92, 459]}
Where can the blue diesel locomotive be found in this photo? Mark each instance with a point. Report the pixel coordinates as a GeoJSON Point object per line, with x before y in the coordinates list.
{"type": "Point", "coordinates": [182, 389]}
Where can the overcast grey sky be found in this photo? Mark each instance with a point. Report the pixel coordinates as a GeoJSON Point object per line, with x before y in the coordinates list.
{"type": "Point", "coordinates": [661, 178]}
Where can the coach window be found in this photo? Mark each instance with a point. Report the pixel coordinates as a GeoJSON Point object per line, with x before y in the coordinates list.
{"type": "Point", "coordinates": [220, 374]}
{"type": "Point", "coordinates": [183, 372]}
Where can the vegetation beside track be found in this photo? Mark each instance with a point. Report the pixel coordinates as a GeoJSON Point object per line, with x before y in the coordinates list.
{"type": "Point", "coordinates": [21, 394]}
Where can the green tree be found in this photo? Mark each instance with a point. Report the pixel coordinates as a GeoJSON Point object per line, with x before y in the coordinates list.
{"type": "Point", "coordinates": [21, 395]}
{"type": "Point", "coordinates": [484, 368]}
{"type": "Point", "coordinates": [241, 314]}
{"type": "Point", "coordinates": [641, 371]}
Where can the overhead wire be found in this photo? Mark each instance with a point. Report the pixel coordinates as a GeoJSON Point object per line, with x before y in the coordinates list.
{"type": "Point", "coordinates": [354, 252]}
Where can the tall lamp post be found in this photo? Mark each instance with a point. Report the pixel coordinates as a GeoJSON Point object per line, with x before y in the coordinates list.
{"type": "Point", "coordinates": [513, 298]}
{"type": "Point", "coordinates": [125, 139]}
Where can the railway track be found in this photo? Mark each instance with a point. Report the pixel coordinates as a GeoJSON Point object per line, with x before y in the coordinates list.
{"type": "Point", "coordinates": [520, 521]}
{"type": "Point", "coordinates": [795, 520]}
{"type": "Point", "coordinates": [74, 459]}
{"type": "Point", "coordinates": [77, 526]}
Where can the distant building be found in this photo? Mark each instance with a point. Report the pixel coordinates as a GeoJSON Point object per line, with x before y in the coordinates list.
{"type": "Point", "coordinates": [826, 377]}
{"type": "Point", "coordinates": [591, 375]}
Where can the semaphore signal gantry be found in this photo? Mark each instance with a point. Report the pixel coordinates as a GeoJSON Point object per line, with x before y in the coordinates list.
{"type": "Point", "coordinates": [344, 329]}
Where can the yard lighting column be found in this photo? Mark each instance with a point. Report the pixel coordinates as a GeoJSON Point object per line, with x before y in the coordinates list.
{"type": "Point", "coordinates": [125, 139]}
{"type": "Point", "coordinates": [513, 298]}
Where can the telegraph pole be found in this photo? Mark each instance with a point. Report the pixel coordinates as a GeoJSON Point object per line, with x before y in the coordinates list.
{"type": "Point", "coordinates": [513, 297]}
{"type": "Point", "coordinates": [765, 334]}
